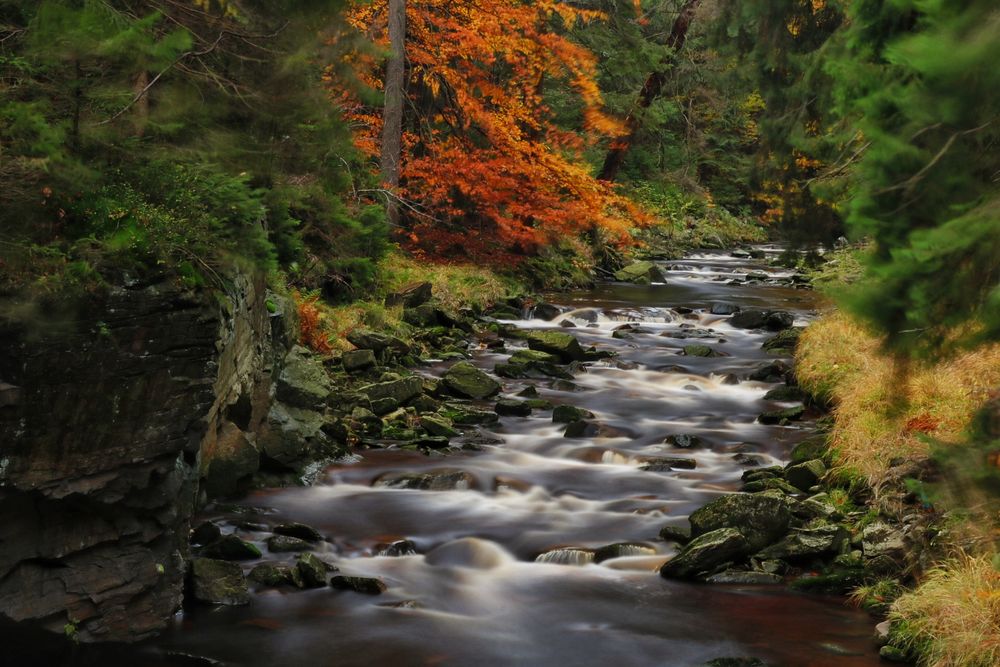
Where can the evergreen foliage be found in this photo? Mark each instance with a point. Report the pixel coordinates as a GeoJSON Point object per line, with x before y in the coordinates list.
{"type": "Point", "coordinates": [178, 133]}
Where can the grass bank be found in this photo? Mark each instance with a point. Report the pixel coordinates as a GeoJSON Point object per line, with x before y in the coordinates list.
{"type": "Point", "coordinates": [925, 419]}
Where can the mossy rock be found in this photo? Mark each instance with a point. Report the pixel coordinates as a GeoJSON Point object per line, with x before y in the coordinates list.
{"type": "Point", "coordinates": [705, 553]}
{"type": "Point", "coordinates": [815, 447]}
{"type": "Point", "coordinates": [230, 547]}
{"type": "Point", "coordinates": [805, 475]}
{"type": "Point", "coordinates": [528, 357]}
{"type": "Point", "coordinates": [641, 273]}
{"type": "Point", "coordinates": [467, 381]}
{"type": "Point", "coordinates": [439, 426]}
{"type": "Point", "coordinates": [303, 382]}
{"type": "Point", "coordinates": [761, 518]}
{"type": "Point", "coordinates": [562, 345]}
{"type": "Point", "coordinates": [218, 582]}
{"type": "Point", "coordinates": [513, 408]}
{"type": "Point", "coordinates": [700, 351]}
{"type": "Point", "coordinates": [782, 416]}
{"type": "Point", "coordinates": [567, 414]}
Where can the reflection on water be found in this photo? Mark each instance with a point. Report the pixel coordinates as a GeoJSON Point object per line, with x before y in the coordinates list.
{"type": "Point", "coordinates": [475, 594]}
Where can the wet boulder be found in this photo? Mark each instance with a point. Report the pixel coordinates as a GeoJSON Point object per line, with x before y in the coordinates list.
{"type": "Point", "coordinates": [218, 582]}
{"type": "Point", "coordinates": [683, 441]}
{"type": "Point", "coordinates": [705, 553]}
{"type": "Point", "coordinates": [546, 311]}
{"type": "Point", "coordinates": [777, 371]}
{"type": "Point", "coordinates": [284, 543]}
{"type": "Point", "coordinates": [622, 550]}
{"type": "Point", "coordinates": [230, 547]}
{"type": "Point", "coordinates": [298, 530]}
{"type": "Point", "coordinates": [205, 533]}
{"type": "Point", "coordinates": [641, 273]}
{"type": "Point", "coordinates": [749, 318]}
{"type": "Point", "coordinates": [666, 464]}
{"type": "Point", "coordinates": [312, 571]}
{"type": "Point", "coordinates": [274, 574]}
{"type": "Point", "coordinates": [465, 380]}
{"type": "Point", "coordinates": [465, 415]}
{"type": "Point", "coordinates": [805, 475]}
{"type": "Point", "coordinates": [679, 534]}
{"type": "Point", "coordinates": [512, 407]}
{"type": "Point", "coordinates": [785, 342]}
{"type": "Point", "coordinates": [563, 345]}
{"type": "Point", "coordinates": [567, 414]}
{"type": "Point", "coordinates": [782, 416]}
{"type": "Point", "coordinates": [700, 351]}
{"type": "Point", "coordinates": [804, 543]}
{"type": "Point", "coordinates": [744, 578]}
{"type": "Point", "coordinates": [365, 585]}
{"type": "Point", "coordinates": [761, 518]}
{"type": "Point", "coordinates": [724, 309]}
{"type": "Point", "coordinates": [396, 549]}
{"type": "Point", "coordinates": [880, 539]}
{"type": "Point", "coordinates": [432, 480]}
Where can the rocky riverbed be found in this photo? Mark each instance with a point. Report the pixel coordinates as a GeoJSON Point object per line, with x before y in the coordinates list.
{"type": "Point", "coordinates": [554, 484]}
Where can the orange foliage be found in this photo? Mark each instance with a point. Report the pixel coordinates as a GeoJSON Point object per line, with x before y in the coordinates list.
{"type": "Point", "coordinates": [310, 333]}
{"type": "Point", "coordinates": [484, 158]}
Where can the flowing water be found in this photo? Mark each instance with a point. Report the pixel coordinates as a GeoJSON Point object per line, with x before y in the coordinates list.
{"type": "Point", "coordinates": [474, 594]}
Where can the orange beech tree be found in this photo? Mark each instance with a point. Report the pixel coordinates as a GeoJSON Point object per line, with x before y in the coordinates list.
{"type": "Point", "coordinates": [485, 168]}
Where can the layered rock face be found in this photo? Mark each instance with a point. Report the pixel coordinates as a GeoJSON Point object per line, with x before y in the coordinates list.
{"type": "Point", "coordinates": [102, 429]}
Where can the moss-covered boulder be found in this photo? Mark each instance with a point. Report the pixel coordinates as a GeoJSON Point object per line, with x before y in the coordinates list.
{"type": "Point", "coordinates": [312, 571]}
{"type": "Point", "coordinates": [303, 382]}
{"type": "Point", "coordinates": [785, 342]}
{"type": "Point", "coordinates": [284, 543]}
{"type": "Point", "coordinates": [365, 585]}
{"type": "Point", "coordinates": [761, 518]}
{"type": "Point", "coordinates": [562, 345]}
{"type": "Point", "coordinates": [567, 414]}
{"type": "Point", "coordinates": [230, 547]}
{"type": "Point", "coordinates": [272, 574]}
{"type": "Point", "coordinates": [357, 360]}
{"type": "Point", "coordinates": [805, 475]}
{"type": "Point", "coordinates": [641, 273]}
{"type": "Point", "coordinates": [806, 543]}
{"type": "Point", "coordinates": [700, 351]}
{"type": "Point", "coordinates": [400, 390]}
{"type": "Point", "coordinates": [439, 426]}
{"type": "Point", "coordinates": [410, 296]}
{"type": "Point", "coordinates": [465, 380]}
{"type": "Point", "coordinates": [705, 553]}
{"type": "Point", "coordinates": [432, 480]}
{"type": "Point", "coordinates": [218, 582]}
{"type": "Point", "coordinates": [782, 416]}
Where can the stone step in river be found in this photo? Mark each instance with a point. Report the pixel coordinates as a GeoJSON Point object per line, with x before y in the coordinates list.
{"type": "Point", "coordinates": [542, 549]}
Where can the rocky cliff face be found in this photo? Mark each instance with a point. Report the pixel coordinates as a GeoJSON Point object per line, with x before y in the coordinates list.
{"type": "Point", "coordinates": [104, 432]}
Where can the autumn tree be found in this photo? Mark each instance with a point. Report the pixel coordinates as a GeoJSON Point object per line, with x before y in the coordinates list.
{"type": "Point", "coordinates": [484, 165]}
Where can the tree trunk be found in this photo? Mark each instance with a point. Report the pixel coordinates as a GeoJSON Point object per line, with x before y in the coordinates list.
{"type": "Point", "coordinates": [651, 89]}
{"type": "Point", "coordinates": [392, 129]}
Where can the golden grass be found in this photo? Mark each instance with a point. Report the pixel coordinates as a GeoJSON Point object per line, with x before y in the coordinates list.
{"type": "Point", "coordinates": [953, 618]}
{"type": "Point", "coordinates": [884, 409]}
{"type": "Point", "coordinates": [454, 286]}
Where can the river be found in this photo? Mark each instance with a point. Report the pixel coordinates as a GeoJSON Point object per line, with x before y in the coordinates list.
{"type": "Point", "coordinates": [473, 594]}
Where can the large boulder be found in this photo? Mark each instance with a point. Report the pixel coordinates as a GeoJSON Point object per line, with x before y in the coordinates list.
{"type": "Point", "coordinates": [705, 553]}
{"type": "Point", "coordinates": [806, 543]}
{"type": "Point", "coordinates": [365, 339]}
{"type": "Point", "coordinates": [401, 390]}
{"type": "Point", "coordinates": [562, 345]}
{"type": "Point", "coordinates": [303, 382]}
{"type": "Point", "coordinates": [218, 582]}
{"type": "Point", "coordinates": [465, 380]}
{"type": "Point", "coordinates": [292, 436]}
{"type": "Point", "coordinates": [641, 273]}
{"type": "Point", "coordinates": [761, 518]}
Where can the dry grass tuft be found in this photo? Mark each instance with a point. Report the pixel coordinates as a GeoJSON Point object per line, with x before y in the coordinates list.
{"type": "Point", "coordinates": [455, 285]}
{"type": "Point", "coordinates": [953, 618]}
{"type": "Point", "coordinates": [885, 410]}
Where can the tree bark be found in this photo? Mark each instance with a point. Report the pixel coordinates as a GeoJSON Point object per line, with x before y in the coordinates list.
{"type": "Point", "coordinates": [651, 89]}
{"type": "Point", "coordinates": [392, 129]}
